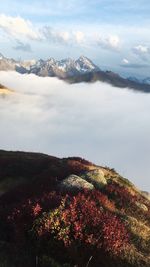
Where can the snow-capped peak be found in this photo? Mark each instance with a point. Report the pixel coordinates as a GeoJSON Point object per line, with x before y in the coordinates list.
{"type": "Point", "coordinates": [65, 64]}
{"type": "Point", "coordinates": [84, 64]}
{"type": "Point", "coordinates": [65, 67]}
{"type": "Point", "coordinates": [84, 59]}
{"type": "Point", "coordinates": [61, 68]}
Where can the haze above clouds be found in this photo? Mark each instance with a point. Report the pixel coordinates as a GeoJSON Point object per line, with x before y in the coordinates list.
{"type": "Point", "coordinates": [106, 125]}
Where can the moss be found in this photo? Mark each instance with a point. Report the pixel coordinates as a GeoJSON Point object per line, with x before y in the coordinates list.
{"type": "Point", "coordinates": [96, 177]}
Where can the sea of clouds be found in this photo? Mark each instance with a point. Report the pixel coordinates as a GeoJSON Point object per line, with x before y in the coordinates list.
{"type": "Point", "coordinates": [106, 125]}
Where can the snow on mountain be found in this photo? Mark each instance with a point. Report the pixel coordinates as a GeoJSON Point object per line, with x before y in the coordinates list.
{"type": "Point", "coordinates": [63, 68]}
{"type": "Point", "coordinates": [83, 64]}
{"type": "Point", "coordinates": [72, 71]}
{"type": "Point", "coordinates": [27, 63]}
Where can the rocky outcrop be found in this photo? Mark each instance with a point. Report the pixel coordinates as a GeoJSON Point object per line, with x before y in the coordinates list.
{"type": "Point", "coordinates": [96, 177]}
{"type": "Point", "coordinates": [74, 182]}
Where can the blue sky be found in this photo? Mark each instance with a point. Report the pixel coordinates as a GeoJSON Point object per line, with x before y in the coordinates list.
{"type": "Point", "coordinates": [113, 33]}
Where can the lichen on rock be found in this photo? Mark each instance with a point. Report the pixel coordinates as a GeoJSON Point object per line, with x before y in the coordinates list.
{"type": "Point", "coordinates": [96, 177]}
{"type": "Point", "coordinates": [74, 182]}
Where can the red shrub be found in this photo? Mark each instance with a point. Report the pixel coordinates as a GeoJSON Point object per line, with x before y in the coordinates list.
{"type": "Point", "coordinates": [81, 221]}
{"type": "Point", "coordinates": [21, 217]}
{"type": "Point", "coordinates": [120, 194]}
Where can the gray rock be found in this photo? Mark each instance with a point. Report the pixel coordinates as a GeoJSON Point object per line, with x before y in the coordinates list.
{"type": "Point", "coordinates": [74, 182]}
{"type": "Point", "coordinates": [96, 177]}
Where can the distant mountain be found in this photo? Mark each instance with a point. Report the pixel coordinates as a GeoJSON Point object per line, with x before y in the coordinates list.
{"type": "Point", "coordinates": [142, 81]}
{"type": "Point", "coordinates": [70, 212]}
{"type": "Point", "coordinates": [73, 71]}
{"type": "Point", "coordinates": [63, 68]}
{"type": "Point", "coordinates": [7, 64]}
{"type": "Point", "coordinates": [109, 77]}
{"type": "Point", "coordinates": [147, 81]}
{"type": "Point", "coordinates": [50, 67]}
{"type": "Point", "coordinates": [134, 79]}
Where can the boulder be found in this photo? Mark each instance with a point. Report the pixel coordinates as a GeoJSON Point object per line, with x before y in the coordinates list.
{"type": "Point", "coordinates": [74, 182]}
{"type": "Point", "coordinates": [96, 177]}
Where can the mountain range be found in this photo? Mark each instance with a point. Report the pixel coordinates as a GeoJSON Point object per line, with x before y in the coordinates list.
{"type": "Point", "coordinates": [73, 71]}
{"type": "Point", "coordinates": [62, 69]}
{"type": "Point", "coordinates": [70, 212]}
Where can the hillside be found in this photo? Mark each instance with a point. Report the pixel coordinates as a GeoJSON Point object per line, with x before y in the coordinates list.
{"type": "Point", "coordinates": [70, 212]}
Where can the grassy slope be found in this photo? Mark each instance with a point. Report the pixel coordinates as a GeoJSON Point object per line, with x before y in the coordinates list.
{"type": "Point", "coordinates": [20, 172]}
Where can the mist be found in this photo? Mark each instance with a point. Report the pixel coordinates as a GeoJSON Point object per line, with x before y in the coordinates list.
{"type": "Point", "coordinates": [106, 125]}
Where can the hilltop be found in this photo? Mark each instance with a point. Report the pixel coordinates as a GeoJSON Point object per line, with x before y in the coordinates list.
{"type": "Point", "coordinates": [70, 212]}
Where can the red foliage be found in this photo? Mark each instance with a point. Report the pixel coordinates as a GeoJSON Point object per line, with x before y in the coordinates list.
{"type": "Point", "coordinates": [81, 221]}
{"type": "Point", "coordinates": [121, 195]}
{"type": "Point", "coordinates": [21, 217]}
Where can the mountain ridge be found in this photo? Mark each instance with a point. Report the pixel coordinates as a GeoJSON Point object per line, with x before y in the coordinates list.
{"type": "Point", "coordinates": [73, 71]}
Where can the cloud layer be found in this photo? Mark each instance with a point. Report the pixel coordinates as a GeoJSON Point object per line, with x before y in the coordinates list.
{"type": "Point", "coordinates": [106, 125]}
{"type": "Point", "coordinates": [112, 42]}
{"type": "Point", "coordinates": [17, 26]}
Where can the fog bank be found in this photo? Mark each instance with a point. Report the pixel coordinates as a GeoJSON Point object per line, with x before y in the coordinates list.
{"type": "Point", "coordinates": [106, 125]}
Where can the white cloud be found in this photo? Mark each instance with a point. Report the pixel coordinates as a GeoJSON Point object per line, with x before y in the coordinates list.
{"type": "Point", "coordinates": [53, 35]}
{"type": "Point", "coordinates": [142, 51]}
{"type": "Point", "coordinates": [101, 123]}
{"type": "Point", "coordinates": [111, 42]}
{"type": "Point", "coordinates": [79, 37]}
{"type": "Point", "coordinates": [125, 61]}
{"type": "Point", "coordinates": [62, 36]}
{"type": "Point", "coordinates": [21, 29]}
{"type": "Point", "coordinates": [17, 26]}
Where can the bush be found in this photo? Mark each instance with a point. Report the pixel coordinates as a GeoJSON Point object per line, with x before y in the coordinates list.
{"type": "Point", "coordinates": [84, 225]}
{"type": "Point", "coordinates": [21, 217]}
{"type": "Point", "coordinates": [120, 194]}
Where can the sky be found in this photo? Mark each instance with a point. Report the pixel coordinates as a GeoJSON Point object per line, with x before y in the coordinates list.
{"type": "Point", "coordinates": [103, 124]}
{"type": "Point", "coordinates": [115, 34]}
